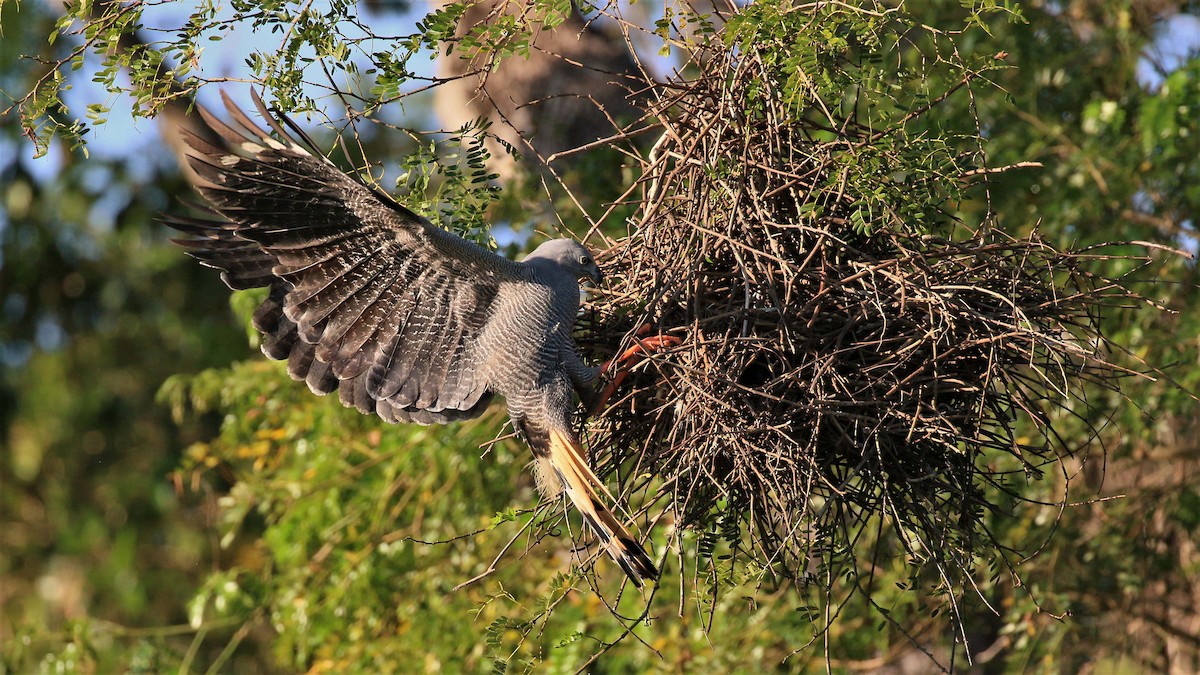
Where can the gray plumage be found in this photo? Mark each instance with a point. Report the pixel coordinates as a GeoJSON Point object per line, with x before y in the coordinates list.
{"type": "Point", "coordinates": [400, 317]}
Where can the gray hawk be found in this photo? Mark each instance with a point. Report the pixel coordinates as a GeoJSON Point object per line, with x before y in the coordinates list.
{"type": "Point", "coordinates": [402, 318]}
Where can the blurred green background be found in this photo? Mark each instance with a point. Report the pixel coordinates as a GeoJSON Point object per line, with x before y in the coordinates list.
{"type": "Point", "coordinates": [170, 501]}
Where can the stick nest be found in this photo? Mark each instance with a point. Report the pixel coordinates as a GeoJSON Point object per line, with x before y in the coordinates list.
{"type": "Point", "coordinates": [831, 371]}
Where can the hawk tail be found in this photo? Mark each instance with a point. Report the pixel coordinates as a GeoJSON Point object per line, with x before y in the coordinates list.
{"type": "Point", "coordinates": [565, 455]}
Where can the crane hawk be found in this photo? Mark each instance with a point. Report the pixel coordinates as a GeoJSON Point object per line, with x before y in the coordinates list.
{"type": "Point", "coordinates": [401, 318]}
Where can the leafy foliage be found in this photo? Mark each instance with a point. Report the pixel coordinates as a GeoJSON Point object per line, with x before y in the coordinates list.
{"type": "Point", "coordinates": [317, 516]}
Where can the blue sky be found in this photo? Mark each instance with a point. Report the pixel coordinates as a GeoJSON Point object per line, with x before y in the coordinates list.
{"type": "Point", "coordinates": [123, 136]}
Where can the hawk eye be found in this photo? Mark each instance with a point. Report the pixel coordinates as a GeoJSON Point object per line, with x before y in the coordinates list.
{"type": "Point", "coordinates": [584, 260]}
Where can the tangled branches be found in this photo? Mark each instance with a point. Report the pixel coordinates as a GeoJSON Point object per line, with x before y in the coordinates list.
{"type": "Point", "coordinates": [853, 361]}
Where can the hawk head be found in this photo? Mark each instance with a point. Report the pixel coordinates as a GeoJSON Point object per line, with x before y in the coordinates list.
{"type": "Point", "coordinates": [570, 255]}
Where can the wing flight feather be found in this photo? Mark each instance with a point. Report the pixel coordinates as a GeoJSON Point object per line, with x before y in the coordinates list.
{"type": "Point", "coordinates": [366, 298]}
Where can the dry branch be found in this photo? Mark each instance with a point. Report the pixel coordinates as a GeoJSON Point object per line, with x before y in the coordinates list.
{"type": "Point", "coordinates": [834, 376]}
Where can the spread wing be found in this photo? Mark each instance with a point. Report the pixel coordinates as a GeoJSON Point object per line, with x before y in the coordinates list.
{"type": "Point", "coordinates": [366, 297]}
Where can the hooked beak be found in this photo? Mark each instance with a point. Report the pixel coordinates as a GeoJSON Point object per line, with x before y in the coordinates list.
{"type": "Point", "coordinates": [590, 278]}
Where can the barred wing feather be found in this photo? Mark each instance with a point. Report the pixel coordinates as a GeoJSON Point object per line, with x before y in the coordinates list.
{"type": "Point", "coordinates": [366, 297]}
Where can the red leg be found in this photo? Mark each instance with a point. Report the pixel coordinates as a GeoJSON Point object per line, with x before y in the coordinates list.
{"type": "Point", "coordinates": [630, 358]}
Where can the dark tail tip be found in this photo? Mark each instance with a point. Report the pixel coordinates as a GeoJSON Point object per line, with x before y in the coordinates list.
{"type": "Point", "coordinates": [634, 561]}
{"type": "Point", "coordinates": [629, 554]}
